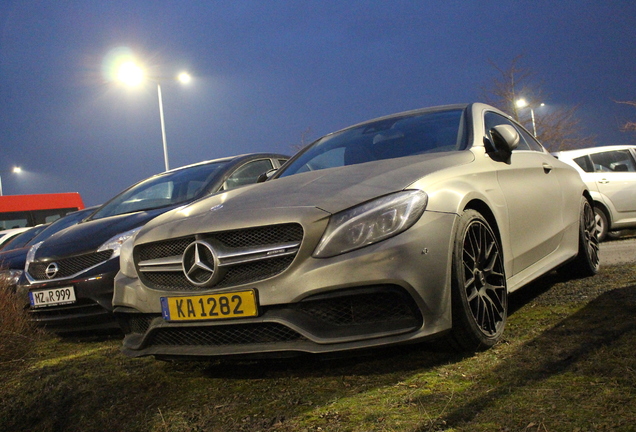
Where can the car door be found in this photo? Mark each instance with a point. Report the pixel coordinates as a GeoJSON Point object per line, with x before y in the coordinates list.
{"type": "Point", "coordinates": [533, 197]}
{"type": "Point", "coordinates": [615, 175]}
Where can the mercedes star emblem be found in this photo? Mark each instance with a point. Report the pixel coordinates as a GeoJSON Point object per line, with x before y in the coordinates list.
{"type": "Point", "coordinates": [199, 264]}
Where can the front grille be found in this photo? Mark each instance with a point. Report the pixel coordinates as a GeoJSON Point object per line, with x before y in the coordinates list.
{"type": "Point", "coordinates": [242, 241]}
{"type": "Point", "coordinates": [163, 248]}
{"type": "Point", "coordinates": [260, 236]}
{"type": "Point", "coordinates": [137, 323]}
{"type": "Point", "coordinates": [239, 274]}
{"type": "Point", "coordinates": [368, 308]}
{"type": "Point", "coordinates": [225, 335]}
{"type": "Point", "coordinates": [68, 266]}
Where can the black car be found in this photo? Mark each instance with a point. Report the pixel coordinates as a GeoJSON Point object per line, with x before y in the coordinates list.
{"type": "Point", "coordinates": [68, 278]}
{"type": "Point", "coordinates": [13, 255]}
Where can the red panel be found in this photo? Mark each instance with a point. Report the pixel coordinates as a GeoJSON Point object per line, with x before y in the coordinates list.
{"type": "Point", "coordinates": [12, 203]}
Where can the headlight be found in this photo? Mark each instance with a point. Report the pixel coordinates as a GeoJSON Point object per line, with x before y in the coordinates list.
{"type": "Point", "coordinates": [371, 222]}
{"type": "Point", "coordinates": [126, 262]}
{"type": "Point", "coordinates": [31, 255]}
{"type": "Point", "coordinates": [116, 242]}
{"type": "Point", "coordinates": [10, 278]}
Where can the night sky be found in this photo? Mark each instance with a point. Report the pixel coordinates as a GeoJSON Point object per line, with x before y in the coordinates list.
{"type": "Point", "coordinates": [269, 74]}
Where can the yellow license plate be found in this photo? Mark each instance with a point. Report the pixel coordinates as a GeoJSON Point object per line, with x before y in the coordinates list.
{"type": "Point", "coordinates": [209, 307]}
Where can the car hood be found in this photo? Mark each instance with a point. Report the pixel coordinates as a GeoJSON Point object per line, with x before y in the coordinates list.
{"type": "Point", "coordinates": [14, 259]}
{"type": "Point", "coordinates": [89, 235]}
{"type": "Point", "coordinates": [322, 192]}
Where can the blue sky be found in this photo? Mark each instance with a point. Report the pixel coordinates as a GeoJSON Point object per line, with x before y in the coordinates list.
{"type": "Point", "coordinates": [267, 71]}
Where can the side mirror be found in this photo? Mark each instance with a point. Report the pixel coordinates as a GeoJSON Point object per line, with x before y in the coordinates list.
{"type": "Point", "coordinates": [266, 175]}
{"type": "Point", "coordinates": [505, 140]}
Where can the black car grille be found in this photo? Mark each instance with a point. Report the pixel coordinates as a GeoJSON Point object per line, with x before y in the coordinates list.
{"type": "Point", "coordinates": [234, 274]}
{"type": "Point", "coordinates": [68, 266]}
{"type": "Point", "coordinates": [359, 309]}
{"type": "Point", "coordinates": [225, 335]}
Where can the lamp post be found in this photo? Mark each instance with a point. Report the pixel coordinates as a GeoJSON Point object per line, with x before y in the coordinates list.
{"type": "Point", "coordinates": [521, 103]}
{"type": "Point", "coordinates": [131, 74]}
{"type": "Point", "coordinates": [14, 170]}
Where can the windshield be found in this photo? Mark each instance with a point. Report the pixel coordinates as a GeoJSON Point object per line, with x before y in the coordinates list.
{"type": "Point", "coordinates": [408, 135]}
{"type": "Point", "coordinates": [163, 190]}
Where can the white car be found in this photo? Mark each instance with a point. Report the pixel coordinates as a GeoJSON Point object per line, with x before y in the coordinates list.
{"type": "Point", "coordinates": [610, 174]}
{"type": "Point", "coordinates": [8, 234]}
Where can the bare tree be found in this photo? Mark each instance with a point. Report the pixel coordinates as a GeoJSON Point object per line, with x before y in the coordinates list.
{"type": "Point", "coordinates": [629, 126]}
{"type": "Point", "coordinates": [304, 135]}
{"type": "Point", "coordinates": [557, 129]}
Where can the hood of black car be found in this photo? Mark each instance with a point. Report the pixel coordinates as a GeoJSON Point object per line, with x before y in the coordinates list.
{"type": "Point", "coordinates": [89, 235]}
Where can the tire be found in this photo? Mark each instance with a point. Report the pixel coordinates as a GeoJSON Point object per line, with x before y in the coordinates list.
{"type": "Point", "coordinates": [602, 224]}
{"type": "Point", "coordinates": [479, 293]}
{"type": "Point", "coordinates": [587, 262]}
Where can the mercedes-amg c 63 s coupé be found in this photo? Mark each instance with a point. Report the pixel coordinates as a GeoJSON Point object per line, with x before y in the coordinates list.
{"type": "Point", "coordinates": [404, 228]}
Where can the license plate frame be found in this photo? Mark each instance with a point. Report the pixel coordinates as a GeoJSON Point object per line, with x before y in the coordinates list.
{"type": "Point", "coordinates": [210, 307]}
{"type": "Point", "coordinates": [48, 297]}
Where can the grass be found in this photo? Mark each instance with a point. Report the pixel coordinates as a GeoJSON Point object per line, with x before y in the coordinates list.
{"type": "Point", "coordinates": [18, 336]}
{"type": "Point", "coordinates": [567, 363]}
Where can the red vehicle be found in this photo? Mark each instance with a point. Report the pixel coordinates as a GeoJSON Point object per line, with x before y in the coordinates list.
{"type": "Point", "coordinates": [29, 210]}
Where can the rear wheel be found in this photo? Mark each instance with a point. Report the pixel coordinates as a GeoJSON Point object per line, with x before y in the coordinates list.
{"type": "Point", "coordinates": [587, 261]}
{"type": "Point", "coordinates": [479, 293]}
{"type": "Point", "coordinates": [602, 225]}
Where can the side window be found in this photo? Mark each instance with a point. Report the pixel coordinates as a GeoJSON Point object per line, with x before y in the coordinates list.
{"type": "Point", "coordinates": [492, 119]}
{"type": "Point", "coordinates": [248, 173]}
{"type": "Point", "coordinates": [14, 220]}
{"type": "Point", "coordinates": [614, 161]}
{"type": "Point", "coordinates": [533, 144]}
{"type": "Point", "coordinates": [585, 163]}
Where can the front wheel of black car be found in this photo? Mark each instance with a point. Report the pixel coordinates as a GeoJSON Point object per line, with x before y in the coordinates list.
{"type": "Point", "coordinates": [479, 293]}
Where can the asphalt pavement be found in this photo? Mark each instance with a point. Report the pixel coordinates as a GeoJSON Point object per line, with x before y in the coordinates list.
{"type": "Point", "coordinates": [622, 251]}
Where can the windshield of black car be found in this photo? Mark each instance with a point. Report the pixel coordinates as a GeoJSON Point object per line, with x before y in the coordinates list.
{"type": "Point", "coordinates": [163, 190]}
{"type": "Point", "coordinates": [408, 135]}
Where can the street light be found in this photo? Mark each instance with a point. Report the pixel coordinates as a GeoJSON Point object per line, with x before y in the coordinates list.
{"type": "Point", "coordinates": [131, 74]}
{"type": "Point", "coordinates": [521, 103]}
{"type": "Point", "coordinates": [14, 170]}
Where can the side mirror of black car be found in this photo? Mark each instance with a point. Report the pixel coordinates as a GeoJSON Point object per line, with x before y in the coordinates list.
{"type": "Point", "coordinates": [266, 175]}
{"type": "Point", "coordinates": [505, 139]}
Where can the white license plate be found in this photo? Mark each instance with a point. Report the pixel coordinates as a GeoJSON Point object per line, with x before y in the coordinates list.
{"type": "Point", "coordinates": [52, 297]}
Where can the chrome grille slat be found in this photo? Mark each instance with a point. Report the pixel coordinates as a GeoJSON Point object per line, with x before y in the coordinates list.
{"type": "Point", "coordinates": [244, 256]}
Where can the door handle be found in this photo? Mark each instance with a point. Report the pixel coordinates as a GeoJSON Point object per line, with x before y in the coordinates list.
{"type": "Point", "coordinates": [603, 181]}
{"type": "Point", "coordinates": [547, 168]}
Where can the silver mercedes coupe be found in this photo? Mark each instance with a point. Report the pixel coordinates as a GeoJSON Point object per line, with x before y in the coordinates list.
{"type": "Point", "coordinates": [400, 229]}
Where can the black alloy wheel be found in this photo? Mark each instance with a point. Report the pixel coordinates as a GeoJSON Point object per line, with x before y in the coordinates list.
{"type": "Point", "coordinates": [479, 290]}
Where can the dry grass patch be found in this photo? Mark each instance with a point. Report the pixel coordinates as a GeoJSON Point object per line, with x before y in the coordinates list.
{"type": "Point", "coordinates": [17, 333]}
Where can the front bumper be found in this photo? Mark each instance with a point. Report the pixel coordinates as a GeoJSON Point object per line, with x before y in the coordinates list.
{"type": "Point", "coordinates": [92, 311]}
{"type": "Point", "coordinates": [392, 292]}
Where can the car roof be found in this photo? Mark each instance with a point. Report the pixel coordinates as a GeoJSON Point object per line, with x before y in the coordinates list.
{"type": "Point", "coordinates": [590, 150]}
{"type": "Point", "coordinates": [228, 159]}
